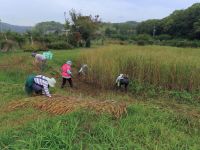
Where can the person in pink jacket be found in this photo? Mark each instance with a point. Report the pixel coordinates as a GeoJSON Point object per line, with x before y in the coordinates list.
{"type": "Point", "coordinates": [67, 74]}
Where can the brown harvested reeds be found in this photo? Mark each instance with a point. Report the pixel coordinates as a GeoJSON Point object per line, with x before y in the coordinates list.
{"type": "Point", "coordinates": [62, 105]}
{"type": "Point", "coordinates": [166, 67]}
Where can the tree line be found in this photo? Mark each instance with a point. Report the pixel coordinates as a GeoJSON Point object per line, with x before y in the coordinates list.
{"type": "Point", "coordinates": [78, 31]}
{"type": "Point", "coordinates": [181, 28]}
{"type": "Point", "coordinates": [180, 24]}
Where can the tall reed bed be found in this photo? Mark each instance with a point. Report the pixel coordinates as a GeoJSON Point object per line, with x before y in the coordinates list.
{"type": "Point", "coordinates": [166, 67]}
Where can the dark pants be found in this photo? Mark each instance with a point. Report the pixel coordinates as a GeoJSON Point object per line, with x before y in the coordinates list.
{"type": "Point", "coordinates": [64, 82]}
{"type": "Point", "coordinates": [37, 88]}
{"type": "Point", "coordinates": [124, 82]}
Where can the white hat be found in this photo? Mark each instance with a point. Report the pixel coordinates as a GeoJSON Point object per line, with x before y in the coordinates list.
{"type": "Point", "coordinates": [69, 62]}
{"type": "Point", "coordinates": [51, 82]}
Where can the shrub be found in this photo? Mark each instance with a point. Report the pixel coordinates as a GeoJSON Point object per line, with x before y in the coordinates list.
{"type": "Point", "coordinates": [119, 37]}
{"type": "Point", "coordinates": [34, 47]}
{"type": "Point", "coordinates": [163, 37]}
{"type": "Point", "coordinates": [118, 42]}
{"type": "Point", "coordinates": [141, 42]}
{"type": "Point", "coordinates": [74, 38]}
{"type": "Point", "coordinates": [7, 45]}
{"type": "Point", "coordinates": [88, 43]}
{"type": "Point", "coordinates": [181, 43]}
{"type": "Point", "coordinates": [59, 45]}
{"type": "Point", "coordinates": [186, 44]}
{"type": "Point", "coordinates": [144, 37]}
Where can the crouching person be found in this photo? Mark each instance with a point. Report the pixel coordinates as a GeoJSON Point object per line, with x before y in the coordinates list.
{"type": "Point", "coordinates": [83, 70]}
{"type": "Point", "coordinates": [40, 60]}
{"type": "Point", "coordinates": [41, 85]}
{"type": "Point", "coordinates": [66, 74]}
{"type": "Point", "coordinates": [122, 80]}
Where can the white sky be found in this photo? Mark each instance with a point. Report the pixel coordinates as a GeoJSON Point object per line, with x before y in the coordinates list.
{"type": "Point", "coordinates": [30, 12]}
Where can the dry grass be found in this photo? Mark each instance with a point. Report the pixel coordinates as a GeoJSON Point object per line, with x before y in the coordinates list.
{"type": "Point", "coordinates": [168, 67]}
{"type": "Point", "coordinates": [62, 105]}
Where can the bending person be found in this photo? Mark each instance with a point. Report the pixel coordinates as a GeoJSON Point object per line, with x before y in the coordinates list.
{"type": "Point", "coordinates": [40, 60]}
{"type": "Point", "coordinates": [121, 80]}
{"type": "Point", "coordinates": [41, 85]}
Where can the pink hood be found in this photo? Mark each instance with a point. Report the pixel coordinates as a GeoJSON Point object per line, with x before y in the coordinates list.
{"type": "Point", "coordinates": [65, 68]}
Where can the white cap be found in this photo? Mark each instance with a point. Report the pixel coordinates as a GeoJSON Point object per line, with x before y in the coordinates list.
{"type": "Point", "coordinates": [69, 62]}
{"type": "Point", "coordinates": [51, 82]}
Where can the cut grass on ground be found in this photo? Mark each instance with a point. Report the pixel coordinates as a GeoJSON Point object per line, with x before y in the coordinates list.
{"type": "Point", "coordinates": [145, 127]}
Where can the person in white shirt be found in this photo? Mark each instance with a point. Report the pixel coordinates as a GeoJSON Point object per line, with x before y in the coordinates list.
{"type": "Point", "coordinates": [122, 80]}
{"type": "Point", "coordinates": [41, 85]}
{"type": "Point", "coordinates": [83, 70]}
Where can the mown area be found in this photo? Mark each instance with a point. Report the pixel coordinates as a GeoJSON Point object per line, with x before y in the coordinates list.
{"type": "Point", "coordinates": [153, 121]}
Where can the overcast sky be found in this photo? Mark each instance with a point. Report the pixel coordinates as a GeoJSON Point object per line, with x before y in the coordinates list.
{"type": "Point", "coordinates": [30, 12]}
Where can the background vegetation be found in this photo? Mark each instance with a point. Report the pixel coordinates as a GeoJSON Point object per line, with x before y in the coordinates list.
{"type": "Point", "coordinates": [163, 98]}
{"type": "Point", "coordinates": [180, 29]}
{"type": "Point", "coordinates": [151, 66]}
{"type": "Point", "coordinates": [147, 124]}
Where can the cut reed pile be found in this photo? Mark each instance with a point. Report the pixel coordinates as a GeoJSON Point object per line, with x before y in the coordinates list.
{"type": "Point", "coordinates": [167, 67]}
{"type": "Point", "coordinates": [62, 105]}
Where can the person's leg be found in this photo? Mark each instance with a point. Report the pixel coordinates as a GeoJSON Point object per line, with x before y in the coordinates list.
{"type": "Point", "coordinates": [43, 65]}
{"type": "Point", "coordinates": [126, 87]}
{"type": "Point", "coordinates": [63, 82]}
{"type": "Point", "coordinates": [70, 82]}
{"type": "Point", "coordinates": [37, 64]}
{"type": "Point", "coordinates": [126, 83]}
{"type": "Point", "coordinates": [40, 65]}
{"type": "Point", "coordinates": [117, 85]}
{"type": "Point", "coordinates": [120, 84]}
{"type": "Point", "coordinates": [37, 89]}
{"type": "Point", "coordinates": [43, 92]}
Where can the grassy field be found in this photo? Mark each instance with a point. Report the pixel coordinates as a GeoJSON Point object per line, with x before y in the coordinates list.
{"type": "Point", "coordinates": [168, 67]}
{"type": "Point", "coordinates": [154, 124]}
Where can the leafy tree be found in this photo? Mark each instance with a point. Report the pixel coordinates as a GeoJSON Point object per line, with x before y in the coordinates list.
{"type": "Point", "coordinates": [48, 27]}
{"type": "Point", "coordinates": [86, 26]}
{"type": "Point", "coordinates": [197, 29]}
{"type": "Point", "coordinates": [147, 27]}
{"type": "Point", "coordinates": [181, 24]}
{"type": "Point", "coordinates": [17, 37]}
{"type": "Point", "coordinates": [122, 31]}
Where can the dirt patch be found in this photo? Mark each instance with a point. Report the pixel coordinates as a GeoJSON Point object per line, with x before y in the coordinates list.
{"type": "Point", "coordinates": [59, 105]}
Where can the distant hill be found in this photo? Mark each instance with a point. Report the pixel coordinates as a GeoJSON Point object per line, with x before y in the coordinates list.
{"type": "Point", "coordinates": [183, 23]}
{"type": "Point", "coordinates": [128, 23]}
{"type": "Point", "coordinates": [14, 28]}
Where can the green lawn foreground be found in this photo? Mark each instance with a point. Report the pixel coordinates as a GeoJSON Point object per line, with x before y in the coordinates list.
{"type": "Point", "coordinates": [146, 126]}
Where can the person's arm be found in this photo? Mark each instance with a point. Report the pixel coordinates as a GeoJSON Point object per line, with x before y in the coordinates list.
{"type": "Point", "coordinates": [46, 90]}
{"type": "Point", "coordinates": [117, 79]}
{"type": "Point", "coordinates": [69, 72]}
{"type": "Point", "coordinates": [81, 70]}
